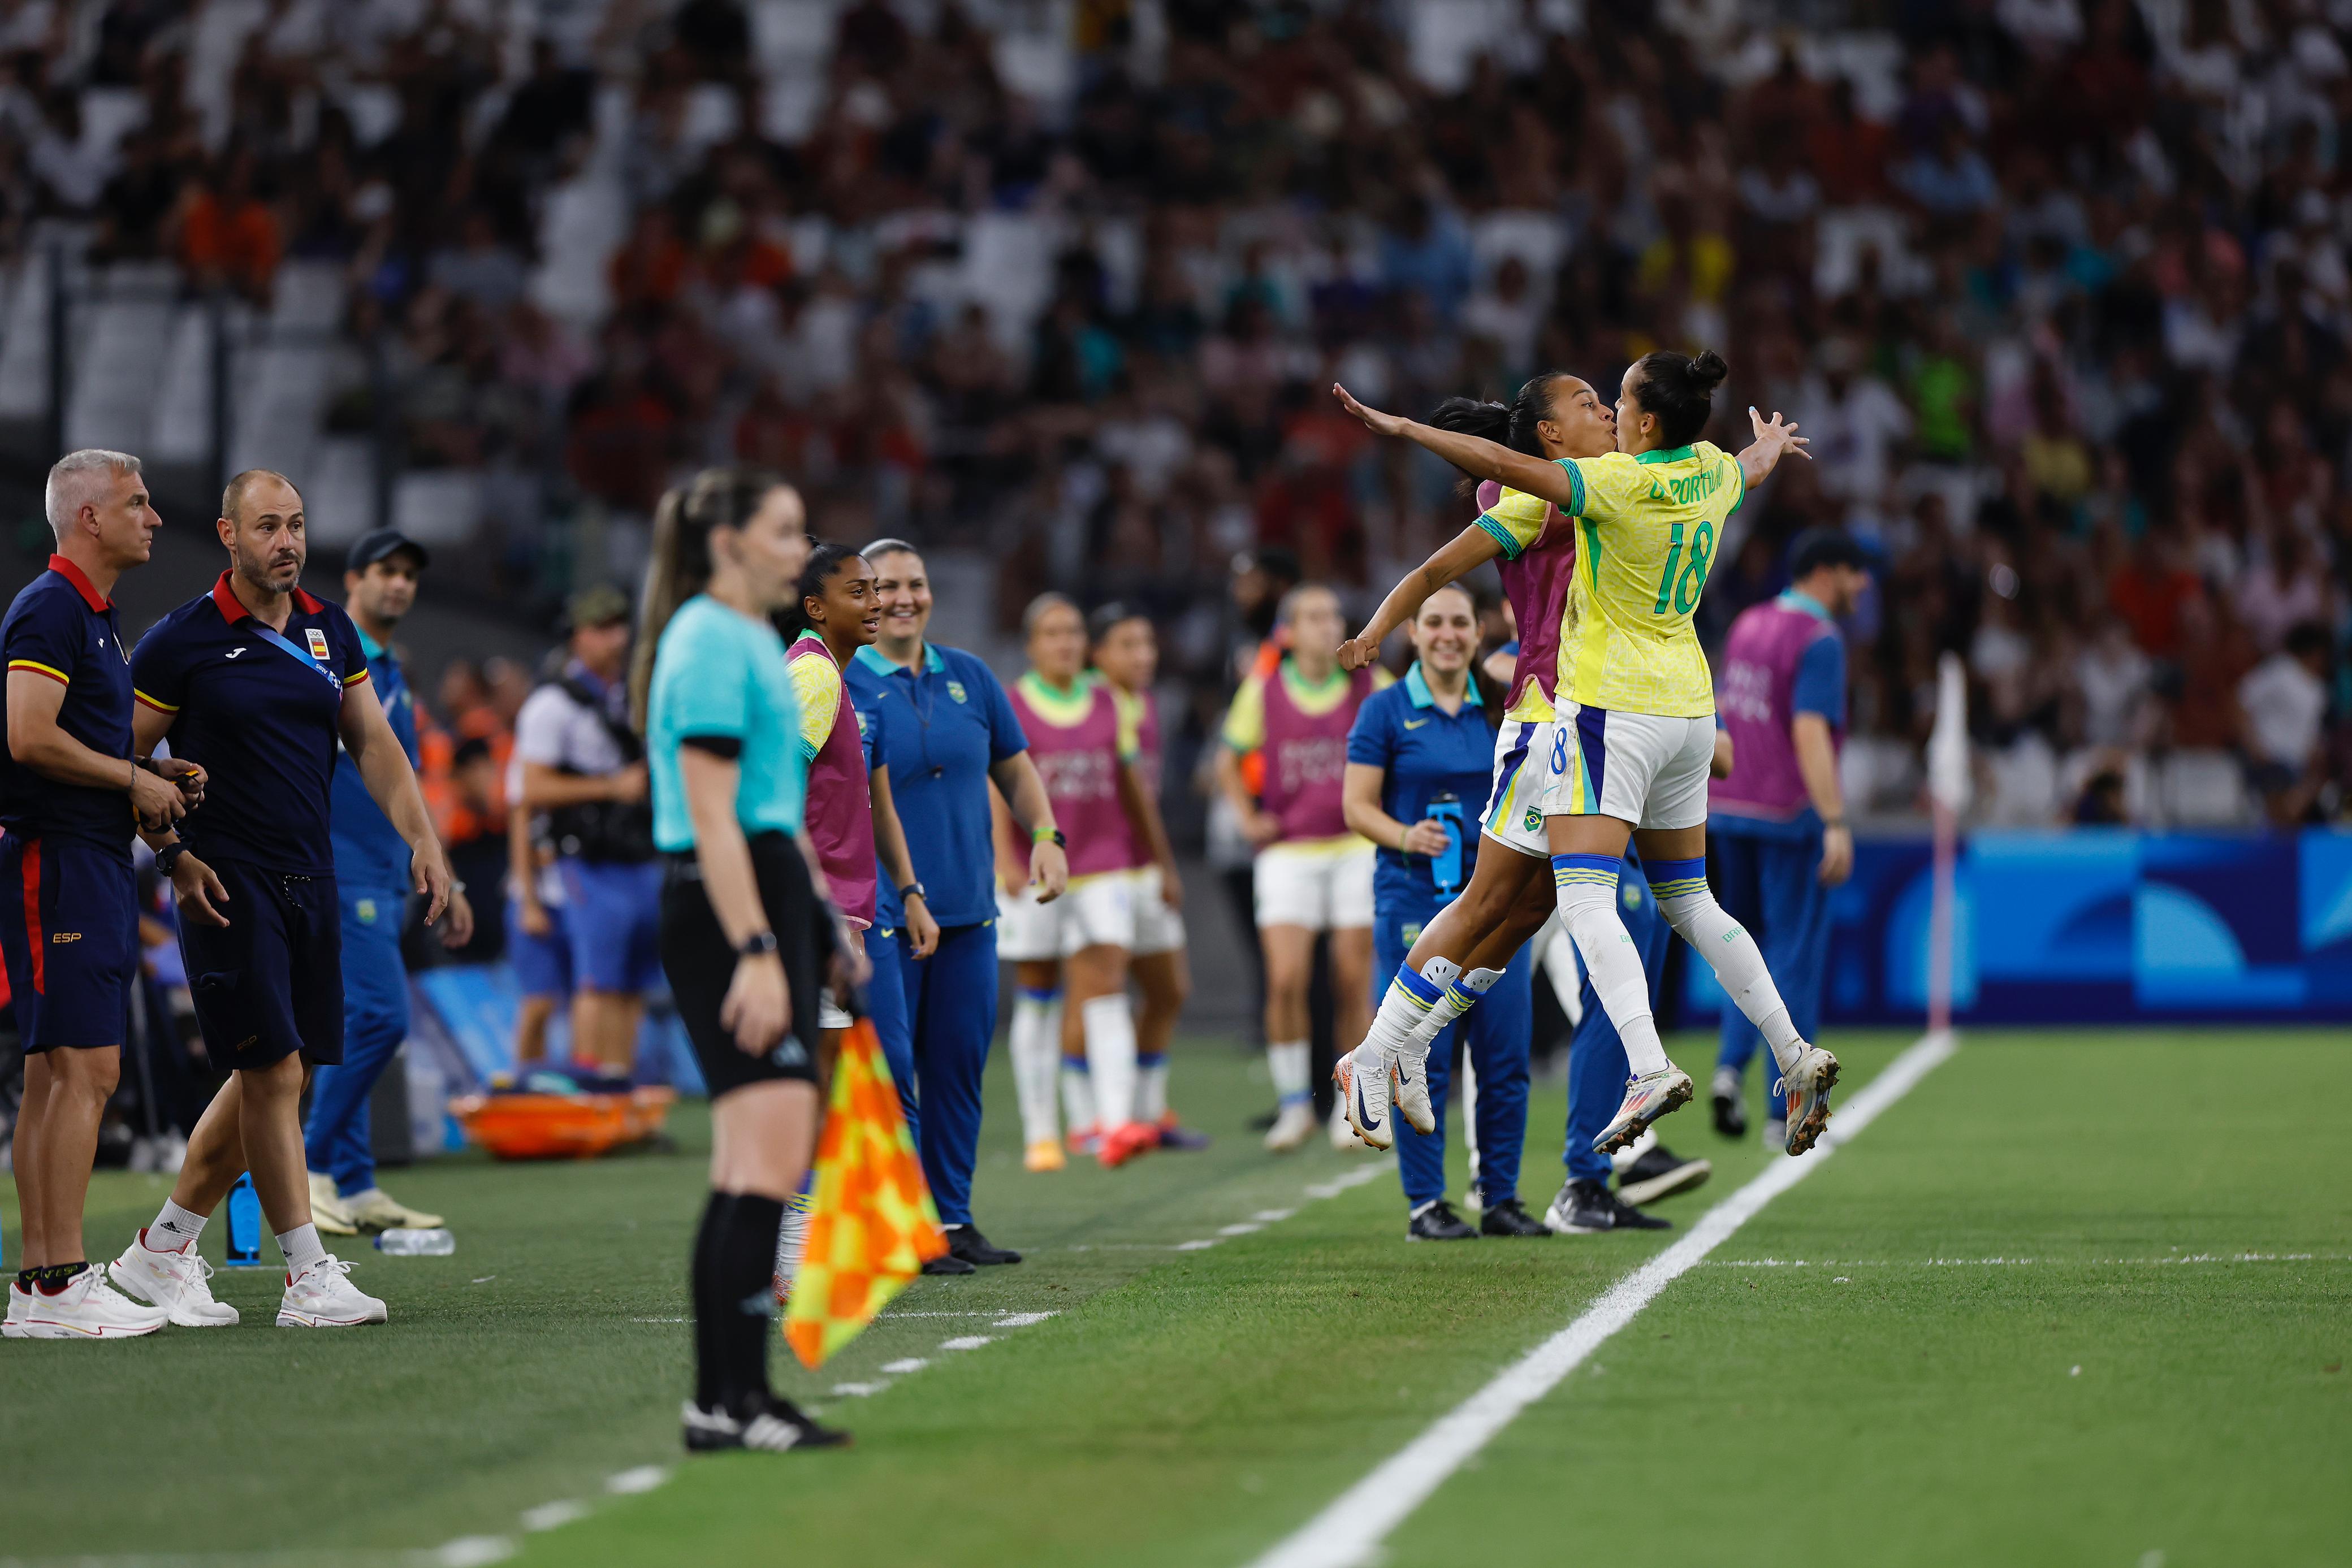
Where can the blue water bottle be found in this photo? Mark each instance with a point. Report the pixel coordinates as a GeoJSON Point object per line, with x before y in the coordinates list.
{"type": "Point", "coordinates": [244, 1224]}
{"type": "Point", "coordinates": [1445, 868]}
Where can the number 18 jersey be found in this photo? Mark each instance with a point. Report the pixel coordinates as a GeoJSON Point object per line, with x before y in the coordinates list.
{"type": "Point", "coordinates": [1646, 530]}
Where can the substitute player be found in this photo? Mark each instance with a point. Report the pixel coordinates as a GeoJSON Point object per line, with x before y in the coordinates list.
{"type": "Point", "coordinates": [1313, 875]}
{"type": "Point", "coordinates": [1630, 747]}
{"type": "Point", "coordinates": [1777, 825]}
{"type": "Point", "coordinates": [70, 793]}
{"type": "Point", "coordinates": [380, 579]}
{"type": "Point", "coordinates": [1127, 656]}
{"type": "Point", "coordinates": [256, 681]}
{"type": "Point", "coordinates": [1085, 749]}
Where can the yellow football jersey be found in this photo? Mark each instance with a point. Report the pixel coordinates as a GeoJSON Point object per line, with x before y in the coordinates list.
{"type": "Point", "coordinates": [1647, 528]}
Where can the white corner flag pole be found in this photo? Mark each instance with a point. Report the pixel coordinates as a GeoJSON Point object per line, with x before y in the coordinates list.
{"type": "Point", "coordinates": [1948, 794]}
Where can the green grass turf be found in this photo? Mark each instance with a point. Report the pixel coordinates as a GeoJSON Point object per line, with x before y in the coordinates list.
{"type": "Point", "coordinates": [1191, 1407]}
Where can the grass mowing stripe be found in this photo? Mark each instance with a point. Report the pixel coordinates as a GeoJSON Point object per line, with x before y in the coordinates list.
{"type": "Point", "coordinates": [1350, 1531]}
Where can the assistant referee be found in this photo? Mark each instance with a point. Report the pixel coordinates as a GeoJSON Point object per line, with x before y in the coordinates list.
{"type": "Point", "coordinates": [744, 937]}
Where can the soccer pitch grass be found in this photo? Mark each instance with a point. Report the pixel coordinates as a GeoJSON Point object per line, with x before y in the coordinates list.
{"type": "Point", "coordinates": [2079, 1298]}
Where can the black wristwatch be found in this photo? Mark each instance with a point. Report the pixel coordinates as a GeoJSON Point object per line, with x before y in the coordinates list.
{"type": "Point", "coordinates": [914, 890]}
{"type": "Point", "coordinates": [759, 945]}
{"type": "Point", "coordinates": [169, 855]}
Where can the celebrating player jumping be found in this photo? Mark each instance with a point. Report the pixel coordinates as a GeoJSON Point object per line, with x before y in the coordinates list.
{"type": "Point", "coordinates": [1628, 752]}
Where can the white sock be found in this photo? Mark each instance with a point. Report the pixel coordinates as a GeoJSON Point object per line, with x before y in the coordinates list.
{"type": "Point", "coordinates": [1288, 1061]}
{"type": "Point", "coordinates": [1036, 1046]}
{"type": "Point", "coordinates": [1681, 890]}
{"type": "Point", "coordinates": [1461, 996]}
{"type": "Point", "coordinates": [175, 1229]}
{"type": "Point", "coordinates": [1078, 1095]}
{"type": "Point", "coordinates": [1586, 886]}
{"type": "Point", "coordinates": [1110, 1026]}
{"type": "Point", "coordinates": [302, 1248]}
{"type": "Point", "coordinates": [1152, 1086]}
{"type": "Point", "coordinates": [1407, 1004]}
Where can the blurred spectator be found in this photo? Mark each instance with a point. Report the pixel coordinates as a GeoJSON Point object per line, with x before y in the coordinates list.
{"type": "Point", "coordinates": [2283, 701]}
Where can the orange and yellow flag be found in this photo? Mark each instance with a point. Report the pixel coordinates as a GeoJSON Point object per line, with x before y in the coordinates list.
{"type": "Point", "coordinates": [872, 1224]}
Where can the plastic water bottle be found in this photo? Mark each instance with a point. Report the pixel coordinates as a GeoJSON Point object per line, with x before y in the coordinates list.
{"type": "Point", "coordinates": [1445, 868]}
{"type": "Point", "coordinates": [399, 1243]}
{"type": "Point", "coordinates": [244, 1224]}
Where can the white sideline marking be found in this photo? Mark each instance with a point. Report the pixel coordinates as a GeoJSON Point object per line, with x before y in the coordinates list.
{"type": "Point", "coordinates": [966, 1342]}
{"type": "Point", "coordinates": [553, 1515]}
{"type": "Point", "coordinates": [2175, 1261]}
{"type": "Point", "coordinates": [1241, 1227]}
{"type": "Point", "coordinates": [1349, 1532]}
{"type": "Point", "coordinates": [475, 1551]}
{"type": "Point", "coordinates": [1019, 1320]}
{"type": "Point", "coordinates": [643, 1479]}
{"type": "Point", "coordinates": [906, 1364]}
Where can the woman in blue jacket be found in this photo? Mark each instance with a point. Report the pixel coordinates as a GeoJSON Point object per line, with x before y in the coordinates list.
{"type": "Point", "coordinates": [1423, 739]}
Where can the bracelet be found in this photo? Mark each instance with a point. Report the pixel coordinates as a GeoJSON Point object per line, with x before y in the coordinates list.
{"type": "Point", "coordinates": [1042, 835]}
{"type": "Point", "coordinates": [759, 945]}
{"type": "Point", "coordinates": [1828, 823]}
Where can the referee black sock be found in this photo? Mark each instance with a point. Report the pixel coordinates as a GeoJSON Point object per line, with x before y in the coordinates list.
{"type": "Point", "coordinates": [747, 1274]}
{"type": "Point", "coordinates": [709, 1303]}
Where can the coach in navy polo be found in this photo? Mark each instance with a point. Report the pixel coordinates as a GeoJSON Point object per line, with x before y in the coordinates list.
{"type": "Point", "coordinates": [69, 900]}
{"type": "Point", "coordinates": [258, 681]}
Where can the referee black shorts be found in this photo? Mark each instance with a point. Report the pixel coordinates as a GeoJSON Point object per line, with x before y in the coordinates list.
{"type": "Point", "coordinates": [700, 963]}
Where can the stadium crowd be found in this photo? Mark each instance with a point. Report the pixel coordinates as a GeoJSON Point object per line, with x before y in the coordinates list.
{"type": "Point", "coordinates": [2057, 287]}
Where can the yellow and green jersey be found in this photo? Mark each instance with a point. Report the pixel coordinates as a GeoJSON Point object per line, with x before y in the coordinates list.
{"type": "Point", "coordinates": [1647, 531]}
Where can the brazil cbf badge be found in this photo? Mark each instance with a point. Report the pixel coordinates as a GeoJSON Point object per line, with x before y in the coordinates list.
{"type": "Point", "coordinates": [318, 640]}
{"type": "Point", "coordinates": [365, 909]}
{"type": "Point", "coordinates": [955, 690]}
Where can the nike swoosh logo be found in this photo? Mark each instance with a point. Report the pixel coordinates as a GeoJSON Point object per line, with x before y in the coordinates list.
{"type": "Point", "coordinates": [1414, 723]}
{"type": "Point", "coordinates": [1364, 1116]}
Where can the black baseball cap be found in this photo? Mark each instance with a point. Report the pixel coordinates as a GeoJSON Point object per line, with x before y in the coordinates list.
{"type": "Point", "coordinates": [1817, 547]}
{"type": "Point", "coordinates": [382, 544]}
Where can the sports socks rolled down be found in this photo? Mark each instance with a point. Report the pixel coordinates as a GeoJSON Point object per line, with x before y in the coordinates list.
{"type": "Point", "coordinates": [1585, 887]}
{"type": "Point", "coordinates": [174, 1230]}
{"type": "Point", "coordinates": [1036, 1049]}
{"type": "Point", "coordinates": [302, 1248]}
{"type": "Point", "coordinates": [1680, 887]}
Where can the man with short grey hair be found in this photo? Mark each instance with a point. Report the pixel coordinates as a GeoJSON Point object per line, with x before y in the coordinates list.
{"type": "Point", "coordinates": [68, 897]}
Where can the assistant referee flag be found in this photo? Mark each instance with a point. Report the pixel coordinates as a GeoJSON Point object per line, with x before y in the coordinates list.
{"type": "Point", "coordinates": [872, 1224]}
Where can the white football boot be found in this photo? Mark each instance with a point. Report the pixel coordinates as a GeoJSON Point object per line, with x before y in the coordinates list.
{"type": "Point", "coordinates": [1408, 1090]}
{"type": "Point", "coordinates": [1808, 1085]}
{"type": "Point", "coordinates": [1647, 1098]}
{"type": "Point", "coordinates": [1361, 1079]}
{"type": "Point", "coordinates": [1293, 1126]}
{"type": "Point", "coordinates": [88, 1308]}
{"type": "Point", "coordinates": [19, 1300]}
{"type": "Point", "coordinates": [323, 1297]}
{"type": "Point", "coordinates": [328, 1211]}
{"type": "Point", "coordinates": [179, 1282]}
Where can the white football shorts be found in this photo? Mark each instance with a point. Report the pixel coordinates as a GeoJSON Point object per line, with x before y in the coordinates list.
{"type": "Point", "coordinates": [1324, 885]}
{"type": "Point", "coordinates": [1157, 928]}
{"type": "Point", "coordinates": [1094, 911]}
{"type": "Point", "coordinates": [1514, 814]}
{"type": "Point", "coordinates": [1639, 768]}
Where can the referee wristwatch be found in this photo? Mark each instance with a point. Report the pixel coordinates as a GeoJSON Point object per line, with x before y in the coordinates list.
{"type": "Point", "coordinates": [759, 945]}
{"type": "Point", "coordinates": [169, 855]}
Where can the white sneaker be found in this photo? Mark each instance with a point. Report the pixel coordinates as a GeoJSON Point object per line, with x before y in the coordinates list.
{"type": "Point", "coordinates": [19, 1300]}
{"type": "Point", "coordinates": [376, 1210]}
{"type": "Point", "coordinates": [328, 1210]}
{"type": "Point", "coordinates": [88, 1308]}
{"type": "Point", "coordinates": [323, 1297]}
{"type": "Point", "coordinates": [1293, 1126]}
{"type": "Point", "coordinates": [1343, 1133]}
{"type": "Point", "coordinates": [1362, 1110]}
{"type": "Point", "coordinates": [176, 1281]}
{"type": "Point", "coordinates": [1409, 1085]}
